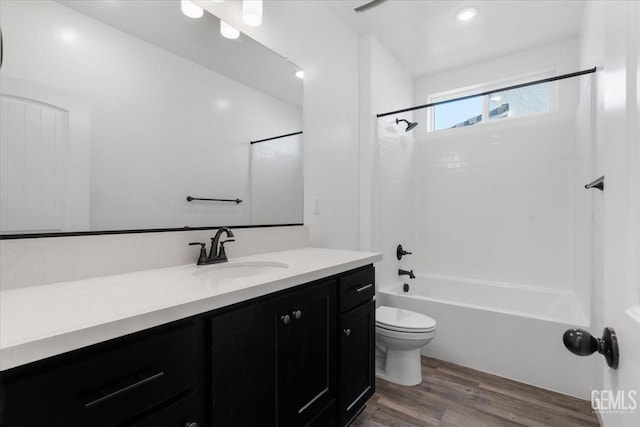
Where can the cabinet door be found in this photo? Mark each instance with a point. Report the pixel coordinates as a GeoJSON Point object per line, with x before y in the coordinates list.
{"type": "Point", "coordinates": [307, 353]}
{"type": "Point", "coordinates": [357, 360]}
{"type": "Point", "coordinates": [244, 367]}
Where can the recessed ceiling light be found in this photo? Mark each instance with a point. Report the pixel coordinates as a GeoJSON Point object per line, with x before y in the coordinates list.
{"type": "Point", "coordinates": [300, 74]}
{"type": "Point", "coordinates": [467, 14]}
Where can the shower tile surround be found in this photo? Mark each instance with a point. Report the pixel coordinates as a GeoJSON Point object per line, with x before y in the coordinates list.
{"type": "Point", "coordinates": [501, 203]}
{"type": "Point", "coordinates": [493, 200]}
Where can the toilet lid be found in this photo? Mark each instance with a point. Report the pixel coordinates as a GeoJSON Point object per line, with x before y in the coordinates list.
{"type": "Point", "coordinates": [398, 319]}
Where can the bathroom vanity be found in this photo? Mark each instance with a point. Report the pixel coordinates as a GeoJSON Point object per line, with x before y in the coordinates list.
{"type": "Point", "coordinates": [248, 343]}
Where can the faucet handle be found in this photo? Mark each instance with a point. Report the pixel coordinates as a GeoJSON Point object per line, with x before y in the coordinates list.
{"type": "Point", "coordinates": [203, 252]}
{"type": "Point", "coordinates": [400, 252]}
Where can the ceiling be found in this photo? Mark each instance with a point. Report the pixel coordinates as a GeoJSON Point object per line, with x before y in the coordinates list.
{"type": "Point", "coordinates": [427, 39]}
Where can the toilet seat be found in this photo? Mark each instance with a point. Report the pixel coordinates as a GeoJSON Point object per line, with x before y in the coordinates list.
{"type": "Point", "coordinates": [399, 320]}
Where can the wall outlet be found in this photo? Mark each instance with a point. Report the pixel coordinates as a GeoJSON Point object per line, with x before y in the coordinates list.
{"type": "Point", "coordinates": [316, 206]}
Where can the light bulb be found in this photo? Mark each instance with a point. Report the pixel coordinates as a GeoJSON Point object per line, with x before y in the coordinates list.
{"type": "Point", "coordinates": [228, 31]}
{"type": "Point", "coordinates": [252, 12]}
{"type": "Point", "coordinates": [467, 14]}
{"type": "Point", "coordinates": [191, 9]}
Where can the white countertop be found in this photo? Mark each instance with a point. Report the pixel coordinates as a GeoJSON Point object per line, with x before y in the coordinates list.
{"type": "Point", "coordinates": [43, 321]}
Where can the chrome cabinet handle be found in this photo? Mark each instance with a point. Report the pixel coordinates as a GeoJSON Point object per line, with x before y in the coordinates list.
{"type": "Point", "coordinates": [364, 287]}
{"type": "Point", "coordinates": [297, 314]}
{"type": "Point", "coordinates": [190, 424]}
{"type": "Point", "coordinates": [286, 319]}
{"type": "Point", "coordinates": [347, 332]}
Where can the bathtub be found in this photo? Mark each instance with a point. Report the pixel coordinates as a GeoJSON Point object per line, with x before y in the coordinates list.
{"type": "Point", "coordinates": [513, 331]}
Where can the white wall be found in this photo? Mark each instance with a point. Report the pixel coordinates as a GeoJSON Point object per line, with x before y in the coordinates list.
{"type": "Point", "coordinates": [386, 150]}
{"type": "Point", "coordinates": [161, 127]}
{"type": "Point", "coordinates": [557, 58]}
{"type": "Point", "coordinates": [313, 37]}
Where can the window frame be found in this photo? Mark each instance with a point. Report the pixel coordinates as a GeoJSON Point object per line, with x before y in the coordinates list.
{"type": "Point", "coordinates": [552, 99]}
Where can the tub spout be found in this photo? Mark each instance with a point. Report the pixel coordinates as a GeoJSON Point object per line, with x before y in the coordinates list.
{"type": "Point", "coordinates": [409, 273]}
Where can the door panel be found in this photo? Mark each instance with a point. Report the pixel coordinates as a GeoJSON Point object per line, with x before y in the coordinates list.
{"type": "Point", "coordinates": [622, 208]}
{"type": "Point", "coordinates": [308, 346]}
{"type": "Point", "coordinates": [244, 368]}
{"type": "Point", "coordinates": [356, 371]}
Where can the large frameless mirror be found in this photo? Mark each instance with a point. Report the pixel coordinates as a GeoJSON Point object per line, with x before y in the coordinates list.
{"type": "Point", "coordinates": [129, 115]}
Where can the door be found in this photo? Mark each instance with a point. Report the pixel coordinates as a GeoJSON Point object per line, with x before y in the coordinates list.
{"type": "Point", "coordinates": [357, 358]}
{"type": "Point", "coordinates": [306, 352]}
{"type": "Point", "coordinates": [44, 159]}
{"type": "Point", "coordinates": [622, 209]}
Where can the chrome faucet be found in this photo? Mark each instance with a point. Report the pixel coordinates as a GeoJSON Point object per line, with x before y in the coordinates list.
{"type": "Point", "coordinates": [409, 273]}
{"type": "Point", "coordinates": [216, 253]}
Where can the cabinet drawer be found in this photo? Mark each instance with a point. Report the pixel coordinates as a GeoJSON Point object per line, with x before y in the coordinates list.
{"type": "Point", "coordinates": [356, 288]}
{"type": "Point", "coordinates": [108, 384]}
{"type": "Point", "coordinates": [186, 412]}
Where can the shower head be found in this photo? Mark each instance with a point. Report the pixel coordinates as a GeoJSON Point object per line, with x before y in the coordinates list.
{"type": "Point", "coordinates": [410, 125]}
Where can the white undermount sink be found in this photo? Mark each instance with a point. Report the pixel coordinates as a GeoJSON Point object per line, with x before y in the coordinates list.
{"type": "Point", "coordinates": [234, 270]}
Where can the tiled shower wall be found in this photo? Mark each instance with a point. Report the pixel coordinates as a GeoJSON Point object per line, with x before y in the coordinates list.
{"type": "Point", "coordinates": [496, 201]}
{"type": "Point", "coordinates": [394, 199]}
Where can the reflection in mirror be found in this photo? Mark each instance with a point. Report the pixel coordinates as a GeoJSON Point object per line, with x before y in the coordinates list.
{"type": "Point", "coordinates": [113, 112]}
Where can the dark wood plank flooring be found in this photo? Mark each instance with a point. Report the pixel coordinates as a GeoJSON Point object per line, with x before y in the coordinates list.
{"type": "Point", "coordinates": [451, 395]}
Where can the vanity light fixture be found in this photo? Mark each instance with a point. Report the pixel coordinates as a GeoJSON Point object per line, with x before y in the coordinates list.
{"type": "Point", "coordinates": [191, 9]}
{"type": "Point", "coordinates": [228, 31]}
{"type": "Point", "coordinates": [252, 12]}
{"type": "Point", "coordinates": [467, 14]}
{"type": "Point", "coordinates": [300, 74]}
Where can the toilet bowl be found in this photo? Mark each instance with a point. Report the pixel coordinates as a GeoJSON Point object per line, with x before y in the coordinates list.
{"type": "Point", "coordinates": [400, 334]}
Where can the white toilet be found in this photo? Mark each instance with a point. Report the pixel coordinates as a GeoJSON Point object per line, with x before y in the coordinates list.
{"type": "Point", "coordinates": [400, 334]}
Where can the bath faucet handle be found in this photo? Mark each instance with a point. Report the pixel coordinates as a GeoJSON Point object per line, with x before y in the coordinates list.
{"type": "Point", "coordinates": [400, 252]}
{"type": "Point", "coordinates": [203, 252]}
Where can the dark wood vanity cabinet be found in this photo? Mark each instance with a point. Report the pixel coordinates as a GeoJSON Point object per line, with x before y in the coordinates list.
{"type": "Point", "coordinates": [282, 360]}
{"type": "Point", "coordinates": [273, 362]}
{"type": "Point", "coordinates": [356, 342]}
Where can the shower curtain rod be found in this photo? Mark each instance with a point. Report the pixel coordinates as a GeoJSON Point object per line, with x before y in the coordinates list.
{"type": "Point", "coordinates": [535, 82]}
{"type": "Point", "coordinates": [275, 137]}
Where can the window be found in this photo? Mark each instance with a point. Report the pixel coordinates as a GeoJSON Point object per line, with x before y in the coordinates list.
{"type": "Point", "coordinates": [465, 112]}
{"type": "Point", "coordinates": [516, 102]}
{"type": "Point", "coordinates": [498, 105]}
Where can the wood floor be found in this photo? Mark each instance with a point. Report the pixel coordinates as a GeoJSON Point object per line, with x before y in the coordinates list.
{"type": "Point", "coordinates": [451, 395]}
